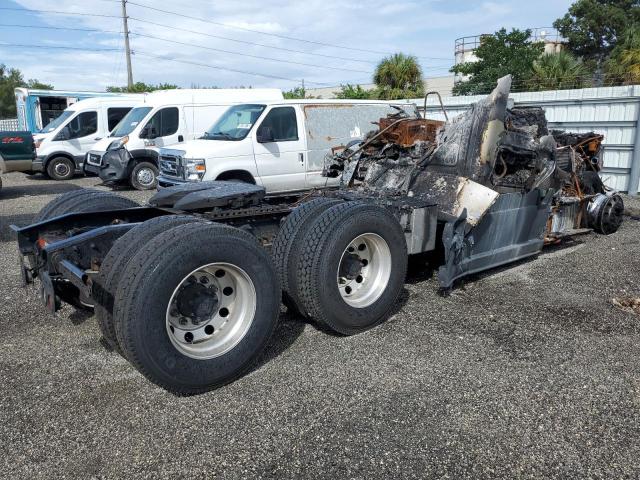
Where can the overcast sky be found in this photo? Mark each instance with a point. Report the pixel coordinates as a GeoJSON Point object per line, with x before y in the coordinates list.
{"type": "Point", "coordinates": [366, 30]}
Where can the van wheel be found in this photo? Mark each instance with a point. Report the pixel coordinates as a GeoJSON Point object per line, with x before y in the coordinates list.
{"type": "Point", "coordinates": [104, 287]}
{"type": "Point", "coordinates": [352, 267]}
{"type": "Point", "coordinates": [144, 176]}
{"type": "Point", "coordinates": [196, 306]}
{"type": "Point", "coordinates": [61, 168]}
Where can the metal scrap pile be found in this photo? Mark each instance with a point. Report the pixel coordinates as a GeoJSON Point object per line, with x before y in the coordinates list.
{"type": "Point", "coordinates": [466, 163]}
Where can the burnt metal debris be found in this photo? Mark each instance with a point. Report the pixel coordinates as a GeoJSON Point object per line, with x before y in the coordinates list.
{"type": "Point", "coordinates": [503, 183]}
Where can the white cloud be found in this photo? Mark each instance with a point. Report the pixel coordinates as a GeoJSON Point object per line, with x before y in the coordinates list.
{"type": "Point", "coordinates": [419, 27]}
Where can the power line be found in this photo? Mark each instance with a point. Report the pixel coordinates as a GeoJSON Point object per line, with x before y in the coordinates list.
{"type": "Point", "coordinates": [250, 55]}
{"type": "Point", "coordinates": [58, 12]}
{"type": "Point", "coordinates": [246, 42]}
{"type": "Point", "coordinates": [96, 30]}
{"type": "Point", "coordinates": [271, 34]}
{"type": "Point", "coordinates": [149, 55]}
{"type": "Point", "coordinates": [47, 27]}
{"type": "Point", "coordinates": [188, 62]}
{"type": "Point", "coordinates": [58, 47]}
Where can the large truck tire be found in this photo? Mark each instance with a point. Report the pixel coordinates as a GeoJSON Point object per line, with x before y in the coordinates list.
{"type": "Point", "coordinates": [48, 211]}
{"type": "Point", "coordinates": [287, 245]}
{"type": "Point", "coordinates": [106, 282]}
{"type": "Point", "coordinates": [85, 200]}
{"type": "Point", "coordinates": [79, 201]}
{"type": "Point", "coordinates": [196, 306]}
{"type": "Point", "coordinates": [61, 168]}
{"type": "Point", "coordinates": [352, 267]}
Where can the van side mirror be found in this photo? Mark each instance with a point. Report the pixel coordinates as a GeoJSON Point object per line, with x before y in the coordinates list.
{"type": "Point", "coordinates": [265, 135]}
{"type": "Point", "coordinates": [64, 134]}
{"type": "Point", "coordinates": [149, 131]}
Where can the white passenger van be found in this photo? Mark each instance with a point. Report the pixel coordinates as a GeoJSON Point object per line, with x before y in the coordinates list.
{"type": "Point", "coordinates": [280, 145]}
{"type": "Point", "coordinates": [62, 144]}
{"type": "Point", "coordinates": [167, 117]}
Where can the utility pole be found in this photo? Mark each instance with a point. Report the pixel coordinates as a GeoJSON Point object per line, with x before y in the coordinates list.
{"type": "Point", "coordinates": [127, 49]}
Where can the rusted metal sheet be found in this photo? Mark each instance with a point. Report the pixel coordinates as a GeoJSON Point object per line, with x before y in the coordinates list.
{"type": "Point", "coordinates": [409, 131]}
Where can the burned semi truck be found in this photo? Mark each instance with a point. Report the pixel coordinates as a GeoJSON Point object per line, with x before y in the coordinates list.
{"type": "Point", "coordinates": [188, 288]}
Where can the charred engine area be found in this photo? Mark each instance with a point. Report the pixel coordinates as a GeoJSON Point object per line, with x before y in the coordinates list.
{"type": "Point", "coordinates": [490, 150]}
{"type": "Point", "coordinates": [502, 182]}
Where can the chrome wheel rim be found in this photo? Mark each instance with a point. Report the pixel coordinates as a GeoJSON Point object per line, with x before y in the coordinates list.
{"type": "Point", "coordinates": [364, 270]}
{"type": "Point", "coordinates": [61, 169]}
{"type": "Point", "coordinates": [145, 176]}
{"type": "Point", "coordinates": [211, 310]}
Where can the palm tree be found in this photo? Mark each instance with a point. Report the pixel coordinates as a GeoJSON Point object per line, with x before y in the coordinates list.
{"type": "Point", "coordinates": [399, 76]}
{"type": "Point", "coordinates": [630, 61]}
{"type": "Point", "coordinates": [623, 65]}
{"type": "Point", "coordinates": [555, 71]}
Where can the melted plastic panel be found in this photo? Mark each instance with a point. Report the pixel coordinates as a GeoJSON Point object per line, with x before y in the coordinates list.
{"type": "Point", "coordinates": [513, 228]}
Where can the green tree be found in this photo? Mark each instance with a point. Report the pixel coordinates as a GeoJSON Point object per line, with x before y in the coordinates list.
{"type": "Point", "coordinates": [623, 66]}
{"type": "Point", "coordinates": [36, 85]}
{"type": "Point", "coordinates": [354, 92]}
{"type": "Point", "coordinates": [500, 54]}
{"type": "Point", "coordinates": [556, 71]}
{"type": "Point", "coordinates": [297, 92]}
{"type": "Point", "coordinates": [141, 87]}
{"type": "Point", "coordinates": [593, 27]}
{"type": "Point", "coordinates": [10, 79]}
{"type": "Point", "coordinates": [398, 76]}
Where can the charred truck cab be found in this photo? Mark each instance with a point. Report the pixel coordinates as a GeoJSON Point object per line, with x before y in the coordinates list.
{"type": "Point", "coordinates": [188, 289]}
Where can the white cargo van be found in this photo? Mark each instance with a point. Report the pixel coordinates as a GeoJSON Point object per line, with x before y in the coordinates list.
{"type": "Point", "coordinates": [130, 153]}
{"type": "Point", "coordinates": [61, 145]}
{"type": "Point", "coordinates": [280, 145]}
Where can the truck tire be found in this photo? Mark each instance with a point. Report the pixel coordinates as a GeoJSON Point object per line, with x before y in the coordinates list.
{"type": "Point", "coordinates": [144, 176]}
{"type": "Point", "coordinates": [287, 245]}
{"type": "Point", "coordinates": [78, 201]}
{"type": "Point", "coordinates": [352, 267]}
{"type": "Point", "coordinates": [190, 283]}
{"type": "Point", "coordinates": [106, 282]}
{"type": "Point", "coordinates": [61, 168]}
{"type": "Point", "coordinates": [46, 212]}
{"type": "Point", "coordinates": [84, 200]}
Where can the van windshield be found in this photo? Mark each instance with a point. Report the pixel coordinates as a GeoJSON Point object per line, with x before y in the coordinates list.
{"type": "Point", "coordinates": [130, 121]}
{"type": "Point", "coordinates": [235, 123]}
{"type": "Point", "coordinates": [56, 122]}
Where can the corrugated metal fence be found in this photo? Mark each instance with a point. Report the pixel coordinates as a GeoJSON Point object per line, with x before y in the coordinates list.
{"type": "Point", "coordinates": [9, 124]}
{"type": "Point", "coordinates": [612, 111]}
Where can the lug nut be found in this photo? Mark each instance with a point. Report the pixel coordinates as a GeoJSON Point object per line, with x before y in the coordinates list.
{"type": "Point", "coordinates": [183, 321]}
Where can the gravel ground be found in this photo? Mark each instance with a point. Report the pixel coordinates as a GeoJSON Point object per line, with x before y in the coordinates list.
{"type": "Point", "coordinates": [528, 372]}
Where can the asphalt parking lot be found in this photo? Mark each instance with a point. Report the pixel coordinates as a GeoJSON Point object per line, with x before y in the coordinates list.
{"type": "Point", "coordinates": [529, 372]}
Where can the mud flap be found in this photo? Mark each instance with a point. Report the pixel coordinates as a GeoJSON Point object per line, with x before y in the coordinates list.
{"type": "Point", "coordinates": [48, 295]}
{"type": "Point", "coordinates": [512, 229]}
{"type": "Point", "coordinates": [26, 276]}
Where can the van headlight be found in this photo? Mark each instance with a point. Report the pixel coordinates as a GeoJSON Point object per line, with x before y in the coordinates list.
{"type": "Point", "coordinates": [39, 142]}
{"type": "Point", "coordinates": [119, 143]}
{"type": "Point", "coordinates": [194, 168]}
